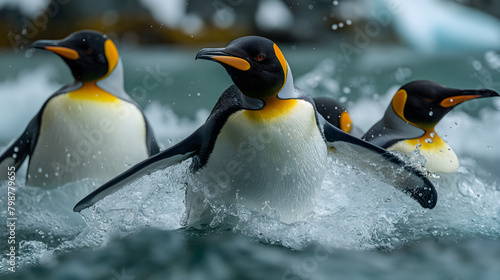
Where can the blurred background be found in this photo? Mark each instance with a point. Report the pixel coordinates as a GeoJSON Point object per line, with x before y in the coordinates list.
{"type": "Point", "coordinates": [360, 46]}
{"type": "Point", "coordinates": [359, 52]}
{"type": "Point", "coordinates": [147, 22]}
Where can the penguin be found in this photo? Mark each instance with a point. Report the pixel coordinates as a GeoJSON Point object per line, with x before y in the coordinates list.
{"type": "Point", "coordinates": [90, 128]}
{"type": "Point", "coordinates": [264, 145]}
{"type": "Point", "coordinates": [409, 121]}
{"type": "Point", "coordinates": [334, 113]}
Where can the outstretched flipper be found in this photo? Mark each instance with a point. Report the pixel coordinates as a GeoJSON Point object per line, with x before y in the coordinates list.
{"type": "Point", "coordinates": [177, 153]}
{"type": "Point", "coordinates": [21, 148]}
{"type": "Point", "coordinates": [386, 166]}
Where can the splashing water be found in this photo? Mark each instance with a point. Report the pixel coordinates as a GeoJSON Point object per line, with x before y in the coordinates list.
{"type": "Point", "coordinates": [353, 210]}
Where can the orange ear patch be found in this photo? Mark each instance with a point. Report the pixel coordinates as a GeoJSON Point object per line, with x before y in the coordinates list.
{"type": "Point", "coordinates": [111, 54]}
{"type": "Point", "coordinates": [399, 102]}
{"type": "Point", "coordinates": [345, 122]}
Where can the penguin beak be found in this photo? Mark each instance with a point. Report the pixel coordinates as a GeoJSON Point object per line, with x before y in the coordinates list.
{"type": "Point", "coordinates": [57, 48]}
{"type": "Point", "coordinates": [459, 96]}
{"type": "Point", "coordinates": [222, 56]}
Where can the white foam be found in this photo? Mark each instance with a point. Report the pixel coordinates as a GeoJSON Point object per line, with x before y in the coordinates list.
{"type": "Point", "coordinates": [353, 211]}
{"type": "Point", "coordinates": [22, 97]}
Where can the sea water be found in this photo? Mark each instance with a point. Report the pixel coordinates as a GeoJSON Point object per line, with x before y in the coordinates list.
{"type": "Point", "coordinates": [360, 228]}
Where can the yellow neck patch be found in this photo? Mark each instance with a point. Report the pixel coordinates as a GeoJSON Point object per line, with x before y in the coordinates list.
{"type": "Point", "coordinates": [91, 92]}
{"type": "Point", "coordinates": [430, 141]}
{"type": "Point", "coordinates": [273, 108]}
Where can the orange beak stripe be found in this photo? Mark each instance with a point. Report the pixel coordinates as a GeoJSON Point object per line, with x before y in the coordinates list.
{"type": "Point", "coordinates": [236, 62]}
{"type": "Point", "coordinates": [455, 100]}
{"type": "Point", "coordinates": [64, 52]}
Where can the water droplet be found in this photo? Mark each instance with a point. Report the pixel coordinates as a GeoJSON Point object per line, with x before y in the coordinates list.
{"type": "Point", "coordinates": [310, 7]}
{"type": "Point", "coordinates": [29, 53]}
{"type": "Point", "coordinates": [420, 194]}
{"type": "Point", "coordinates": [198, 94]}
{"type": "Point", "coordinates": [39, 170]}
{"type": "Point", "coordinates": [128, 164]}
{"type": "Point", "coordinates": [14, 156]}
{"type": "Point", "coordinates": [432, 134]}
{"type": "Point", "coordinates": [341, 24]}
{"type": "Point", "coordinates": [431, 113]}
{"type": "Point", "coordinates": [335, 3]}
{"type": "Point", "coordinates": [346, 90]}
{"type": "Point", "coordinates": [489, 147]}
{"type": "Point", "coordinates": [334, 27]}
{"type": "Point", "coordinates": [348, 22]}
{"type": "Point", "coordinates": [428, 140]}
{"type": "Point", "coordinates": [477, 65]}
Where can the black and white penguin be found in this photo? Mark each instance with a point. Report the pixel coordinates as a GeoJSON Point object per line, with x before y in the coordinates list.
{"type": "Point", "coordinates": [89, 128]}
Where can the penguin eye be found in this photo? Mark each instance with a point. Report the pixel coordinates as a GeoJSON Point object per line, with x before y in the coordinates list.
{"type": "Point", "coordinates": [259, 57]}
{"type": "Point", "coordinates": [428, 99]}
{"type": "Point", "coordinates": [89, 51]}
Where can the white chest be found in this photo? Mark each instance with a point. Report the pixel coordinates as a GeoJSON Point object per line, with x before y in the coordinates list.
{"type": "Point", "coordinates": [86, 139]}
{"type": "Point", "coordinates": [438, 154]}
{"type": "Point", "coordinates": [273, 165]}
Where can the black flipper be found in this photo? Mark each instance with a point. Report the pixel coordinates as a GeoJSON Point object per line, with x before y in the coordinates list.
{"type": "Point", "coordinates": [330, 109]}
{"type": "Point", "coordinates": [386, 166]}
{"type": "Point", "coordinates": [151, 142]}
{"type": "Point", "coordinates": [21, 148]}
{"type": "Point", "coordinates": [177, 153]}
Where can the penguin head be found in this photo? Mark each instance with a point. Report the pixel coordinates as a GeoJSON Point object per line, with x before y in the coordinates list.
{"type": "Point", "coordinates": [424, 103]}
{"type": "Point", "coordinates": [90, 55]}
{"type": "Point", "coordinates": [255, 64]}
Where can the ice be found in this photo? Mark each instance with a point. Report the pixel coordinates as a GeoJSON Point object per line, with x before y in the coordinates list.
{"type": "Point", "coordinates": [438, 25]}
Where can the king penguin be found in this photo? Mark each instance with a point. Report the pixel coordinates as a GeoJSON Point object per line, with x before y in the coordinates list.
{"type": "Point", "coordinates": [333, 112]}
{"type": "Point", "coordinates": [89, 128]}
{"type": "Point", "coordinates": [409, 121]}
{"type": "Point", "coordinates": [264, 145]}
